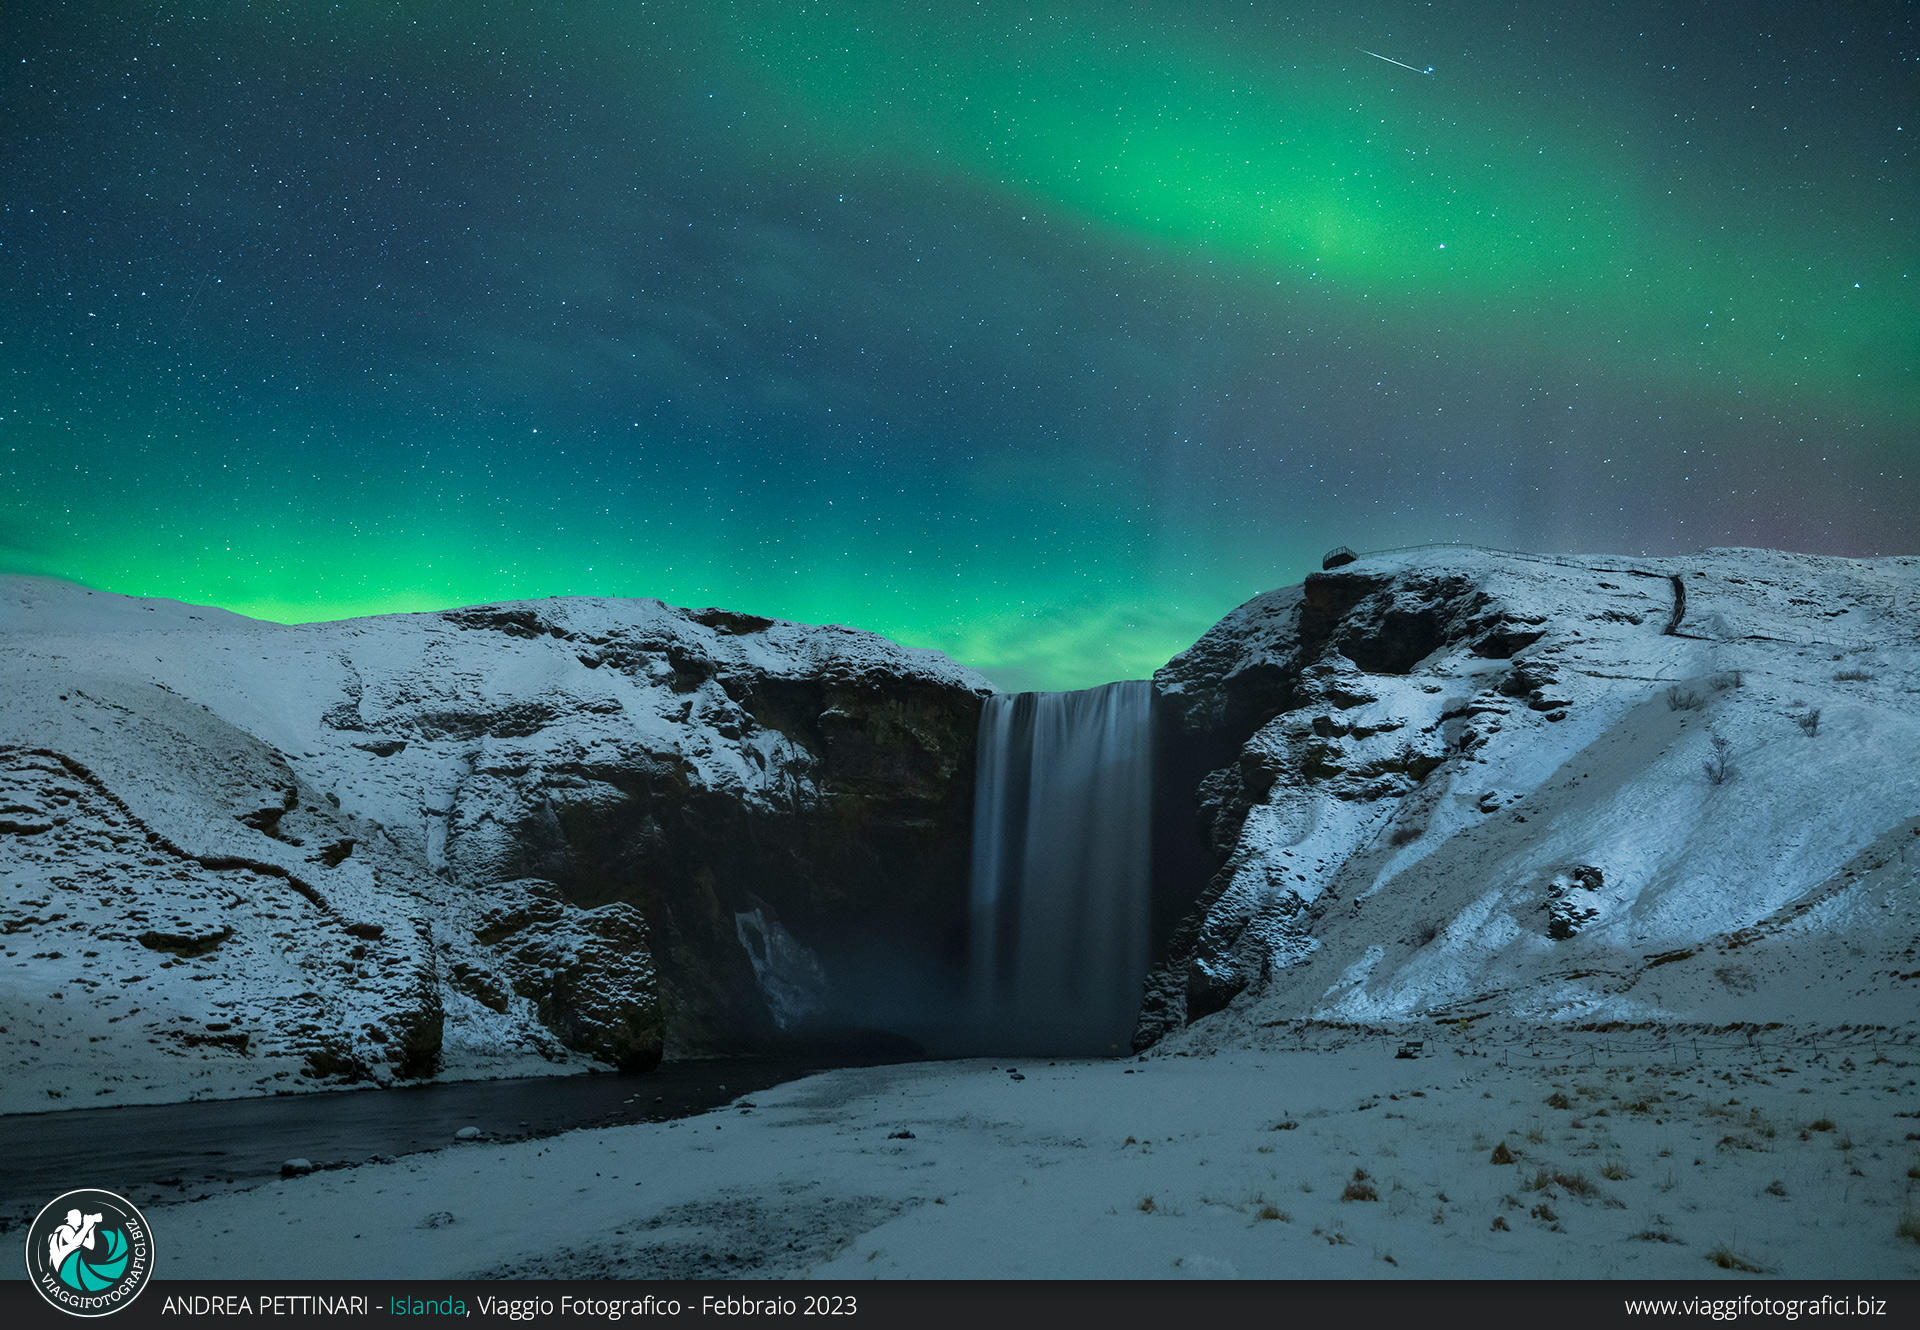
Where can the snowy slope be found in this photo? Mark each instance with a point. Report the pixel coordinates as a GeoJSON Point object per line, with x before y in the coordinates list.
{"type": "Point", "coordinates": [237, 855]}
{"type": "Point", "coordinates": [1482, 783]}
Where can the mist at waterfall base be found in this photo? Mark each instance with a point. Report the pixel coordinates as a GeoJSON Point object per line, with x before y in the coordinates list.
{"type": "Point", "coordinates": [1062, 869]}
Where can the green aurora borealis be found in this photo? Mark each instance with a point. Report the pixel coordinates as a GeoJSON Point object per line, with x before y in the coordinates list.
{"type": "Point", "coordinates": [1042, 335]}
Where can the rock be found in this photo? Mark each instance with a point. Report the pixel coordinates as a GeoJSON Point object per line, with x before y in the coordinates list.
{"type": "Point", "coordinates": [728, 832]}
{"type": "Point", "coordinates": [1343, 742]}
{"type": "Point", "coordinates": [438, 1219]}
{"type": "Point", "coordinates": [295, 1168]}
{"type": "Point", "coordinates": [467, 1134]}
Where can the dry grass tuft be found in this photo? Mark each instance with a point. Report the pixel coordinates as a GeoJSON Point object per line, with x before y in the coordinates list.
{"type": "Point", "coordinates": [1576, 1184]}
{"type": "Point", "coordinates": [1359, 1189]}
{"type": "Point", "coordinates": [1147, 1206]}
{"type": "Point", "coordinates": [1501, 1155]}
{"type": "Point", "coordinates": [1728, 1259]}
{"type": "Point", "coordinates": [1499, 1224]}
{"type": "Point", "coordinates": [1558, 1099]}
{"type": "Point", "coordinates": [1614, 1171]}
{"type": "Point", "coordinates": [1274, 1212]}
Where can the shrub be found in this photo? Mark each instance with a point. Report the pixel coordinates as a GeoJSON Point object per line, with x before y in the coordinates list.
{"type": "Point", "coordinates": [1501, 1155]}
{"type": "Point", "coordinates": [1809, 721]}
{"type": "Point", "coordinates": [1424, 932]}
{"type": "Point", "coordinates": [1776, 1188]}
{"type": "Point", "coordinates": [1558, 1099]}
{"type": "Point", "coordinates": [1147, 1206]}
{"type": "Point", "coordinates": [1359, 1189]}
{"type": "Point", "coordinates": [1909, 1227]}
{"type": "Point", "coordinates": [1820, 1124]}
{"type": "Point", "coordinates": [1855, 675]}
{"type": "Point", "coordinates": [1716, 763]}
{"type": "Point", "coordinates": [1684, 699]}
{"type": "Point", "coordinates": [1499, 1224]}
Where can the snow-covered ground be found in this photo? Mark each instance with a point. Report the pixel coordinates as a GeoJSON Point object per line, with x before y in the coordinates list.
{"type": "Point", "coordinates": [1322, 1155]}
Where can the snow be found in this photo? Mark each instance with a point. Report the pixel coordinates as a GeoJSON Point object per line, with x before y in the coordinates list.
{"type": "Point", "coordinates": [184, 771]}
{"type": "Point", "coordinates": [1746, 974]}
{"type": "Point", "coordinates": [1584, 802]}
{"type": "Point", "coordinates": [1164, 1167]}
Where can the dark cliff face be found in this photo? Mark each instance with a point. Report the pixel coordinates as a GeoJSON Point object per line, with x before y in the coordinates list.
{"type": "Point", "coordinates": [861, 855]}
{"type": "Point", "coordinates": [850, 838]}
{"type": "Point", "coordinates": [1298, 647]}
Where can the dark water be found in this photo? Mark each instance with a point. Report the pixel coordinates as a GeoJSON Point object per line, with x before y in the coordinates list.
{"type": "Point", "coordinates": [163, 1152]}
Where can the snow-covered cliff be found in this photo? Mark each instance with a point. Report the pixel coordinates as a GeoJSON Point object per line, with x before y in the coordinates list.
{"type": "Point", "coordinates": [238, 856]}
{"type": "Point", "coordinates": [1580, 790]}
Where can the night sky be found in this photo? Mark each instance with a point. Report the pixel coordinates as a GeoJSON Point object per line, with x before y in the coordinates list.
{"type": "Point", "coordinates": [1040, 333]}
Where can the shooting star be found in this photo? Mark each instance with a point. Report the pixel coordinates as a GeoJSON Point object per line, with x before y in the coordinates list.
{"type": "Point", "coordinates": [1390, 60]}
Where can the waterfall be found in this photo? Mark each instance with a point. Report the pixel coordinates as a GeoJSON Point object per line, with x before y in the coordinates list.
{"type": "Point", "coordinates": [1061, 868]}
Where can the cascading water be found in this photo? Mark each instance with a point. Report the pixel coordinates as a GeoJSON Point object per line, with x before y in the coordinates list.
{"type": "Point", "coordinates": [1061, 868]}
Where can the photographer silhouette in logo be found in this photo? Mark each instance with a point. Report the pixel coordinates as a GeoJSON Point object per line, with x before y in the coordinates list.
{"type": "Point", "coordinates": [70, 1237]}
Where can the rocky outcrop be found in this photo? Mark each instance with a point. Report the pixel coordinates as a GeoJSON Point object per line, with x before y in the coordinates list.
{"type": "Point", "coordinates": [1452, 774]}
{"type": "Point", "coordinates": [394, 847]}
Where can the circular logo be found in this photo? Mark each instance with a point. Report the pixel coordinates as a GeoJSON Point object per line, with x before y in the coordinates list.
{"type": "Point", "coordinates": [89, 1252]}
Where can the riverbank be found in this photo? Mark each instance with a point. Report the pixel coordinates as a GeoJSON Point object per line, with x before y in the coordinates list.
{"type": "Point", "coordinates": [1625, 1155]}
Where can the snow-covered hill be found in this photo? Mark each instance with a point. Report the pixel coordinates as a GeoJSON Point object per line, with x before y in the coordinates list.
{"type": "Point", "coordinates": [1446, 784]}
{"type": "Point", "coordinates": [239, 856]}
{"type": "Point", "coordinates": [1566, 790]}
